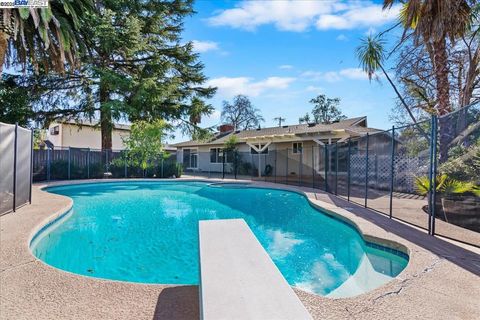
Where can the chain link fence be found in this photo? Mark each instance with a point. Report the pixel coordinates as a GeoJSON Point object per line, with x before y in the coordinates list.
{"type": "Point", "coordinates": [15, 167]}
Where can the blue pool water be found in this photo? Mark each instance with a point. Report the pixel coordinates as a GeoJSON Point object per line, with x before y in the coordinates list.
{"type": "Point", "coordinates": [148, 232]}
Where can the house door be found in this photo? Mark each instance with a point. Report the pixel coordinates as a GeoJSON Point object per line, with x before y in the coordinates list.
{"type": "Point", "coordinates": [190, 158]}
{"type": "Point", "coordinates": [193, 160]}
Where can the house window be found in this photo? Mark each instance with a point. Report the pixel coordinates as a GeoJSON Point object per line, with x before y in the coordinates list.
{"type": "Point", "coordinates": [297, 147]}
{"type": "Point", "coordinates": [260, 146]}
{"type": "Point", "coordinates": [190, 158]}
{"type": "Point", "coordinates": [216, 155]}
{"type": "Point", "coordinates": [55, 130]}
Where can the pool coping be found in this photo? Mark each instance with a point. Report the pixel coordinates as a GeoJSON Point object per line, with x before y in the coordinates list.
{"type": "Point", "coordinates": [421, 262]}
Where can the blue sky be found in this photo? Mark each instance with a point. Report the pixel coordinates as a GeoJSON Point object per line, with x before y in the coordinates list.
{"type": "Point", "coordinates": [283, 53]}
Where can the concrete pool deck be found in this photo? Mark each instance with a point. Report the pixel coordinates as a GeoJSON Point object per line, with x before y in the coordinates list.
{"type": "Point", "coordinates": [441, 281]}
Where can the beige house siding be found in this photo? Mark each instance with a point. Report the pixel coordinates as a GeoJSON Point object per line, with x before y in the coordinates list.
{"type": "Point", "coordinates": [76, 136]}
{"type": "Point", "coordinates": [297, 163]}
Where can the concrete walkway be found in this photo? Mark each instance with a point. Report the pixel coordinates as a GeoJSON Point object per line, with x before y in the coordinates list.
{"type": "Point", "coordinates": [441, 280]}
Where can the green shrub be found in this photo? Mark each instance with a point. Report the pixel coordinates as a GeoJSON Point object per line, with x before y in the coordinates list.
{"type": "Point", "coordinates": [169, 169]}
{"type": "Point", "coordinates": [463, 163]}
{"type": "Point", "coordinates": [446, 185]}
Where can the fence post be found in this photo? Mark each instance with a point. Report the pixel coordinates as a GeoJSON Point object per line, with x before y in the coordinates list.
{"type": "Point", "coordinates": [223, 165]}
{"type": "Point", "coordinates": [235, 156]}
{"type": "Point", "coordinates": [106, 162]}
{"type": "Point", "coordinates": [125, 166]}
{"type": "Point", "coordinates": [31, 167]}
{"type": "Point", "coordinates": [275, 174]}
{"type": "Point", "coordinates": [286, 167]}
{"type": "Point", "coordinates": [48, 164]}
{"type": "Point", "coordinates": [253, 164]}
{"type": "Point", "coordinates": [265, 164]}
{"type": "Point", "coordinates": [88, 163]}
{"type": "Point", "coordinates": [15, 169]}
{"type": "Point", "coordinates": [348, 168]}
{"type": "Point", "coordinates": [313, 168]}
{"type": "Point", "coordinates": [434, 172]}
{"type": "Point", "coordinates": [336, 168]}
{"type": "Point", "coordinates": [69, 160]}
{"type": "Point", "coordinates": [366, 172]}
{"type": "Point", "coordinates": [162, 168]}
{"type": "Point", "coordinates": [326, 167]}
{"type": "Point", "coordinates": [300, 169]}
{"type": "Point", "coordinates": [392, 172]}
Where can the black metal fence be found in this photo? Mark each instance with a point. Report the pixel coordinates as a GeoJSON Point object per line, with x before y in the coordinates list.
{"type": "Point", "coordinates": [401, 172]}
{"type": "Point", "coordinates": [84, 163]}
{"type": "Point", "coordinates": [15, 167]}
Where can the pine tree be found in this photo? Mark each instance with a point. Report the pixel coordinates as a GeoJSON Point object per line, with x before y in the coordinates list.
{"type": "Point", "coordinates": [138, 67]}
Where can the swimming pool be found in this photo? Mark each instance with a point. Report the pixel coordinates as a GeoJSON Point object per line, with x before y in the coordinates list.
{"type": "Point", "coordinates": [147, 231]}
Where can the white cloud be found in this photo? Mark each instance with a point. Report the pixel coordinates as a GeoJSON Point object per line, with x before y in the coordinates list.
{"type": "Point", "coordinates": [312, 75]}
{"type": "Point", "coordinates": [229, 87]}
{"type": "Point", "coordinates": [215, 115]}
{"type": "Point", "coordinates": [204, 46]}
{"type": "Point", "coordinates": [285, 15]}
{"type": "Point", "coordinates": [314, 89]}
{"type": "Point", "coordinates": [357, 17]}
{"type": "Point", "coordinates": [335, 76]}
{"type": "Point", "coordinates": [291, 15]}
{"type": "Point", "coordinates": [354, 74]}
{"type": "Point", "coordinates": [342, 37]}
{"type": "Point", "coordinates": [285, 67]}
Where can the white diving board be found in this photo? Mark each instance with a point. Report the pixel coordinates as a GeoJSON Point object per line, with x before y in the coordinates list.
{"type": "Point", "coordinates": [238, 280]}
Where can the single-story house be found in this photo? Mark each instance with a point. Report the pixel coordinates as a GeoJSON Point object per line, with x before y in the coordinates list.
{"type": "Point", "coordinates": [298, 143]}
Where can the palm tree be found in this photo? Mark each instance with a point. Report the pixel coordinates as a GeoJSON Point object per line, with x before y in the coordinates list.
{"type": "Point", "coordinates": [433, 22]}
{"type": "Point", "coordinates": [371, 55]}
{"type": "Point", "coordinates": [49, 36]}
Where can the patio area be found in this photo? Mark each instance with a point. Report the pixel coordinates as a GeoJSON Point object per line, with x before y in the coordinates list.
{"type": "Point", "coordinates": [441, 281]}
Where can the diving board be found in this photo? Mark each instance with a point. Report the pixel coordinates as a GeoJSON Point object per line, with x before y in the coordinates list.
{"type": "Point", "coordinates": [238, 280]}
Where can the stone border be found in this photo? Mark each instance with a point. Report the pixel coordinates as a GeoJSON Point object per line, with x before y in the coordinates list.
{"type": "Point", "coordinates": [441, 280]}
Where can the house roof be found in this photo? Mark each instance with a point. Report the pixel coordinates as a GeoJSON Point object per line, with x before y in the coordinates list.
{"type": "Point", "coordinates": [357, 126]}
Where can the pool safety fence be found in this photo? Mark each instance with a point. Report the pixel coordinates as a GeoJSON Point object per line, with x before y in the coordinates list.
{"type": "Point", "coordinates": [426, 174]}
{"type": "Point", "coordinates": [15, 167]}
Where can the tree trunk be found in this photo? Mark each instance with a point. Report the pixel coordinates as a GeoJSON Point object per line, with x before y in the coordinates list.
{"type": "Point", "coordinates": [105, 117]}
{"type": "Point", "coordinates": [3, 48]}
{"type": "Point", "coordinates": [471, 76]}
{"type": "Point", "coordinates": [445, 124]}
{"type": "Point", "coordinates": [440, 65]}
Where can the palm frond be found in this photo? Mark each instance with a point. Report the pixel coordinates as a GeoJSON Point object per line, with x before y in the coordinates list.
{"type": "Point", "coordinates": [370, 53]}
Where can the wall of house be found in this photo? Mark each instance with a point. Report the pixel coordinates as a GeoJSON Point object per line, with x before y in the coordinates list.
{"type": "Point", "coordinates": [71, 135]}
{"type": "Point", "coordinates": [276, 157]}
{"type": "Point", "coordinates": [297, 163]}
{"type": "Point", "coordinates": [56, 139]}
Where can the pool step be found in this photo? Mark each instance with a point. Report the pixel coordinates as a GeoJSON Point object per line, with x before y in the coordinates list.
{"type": "Point", "coordinates": [238, 280]}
